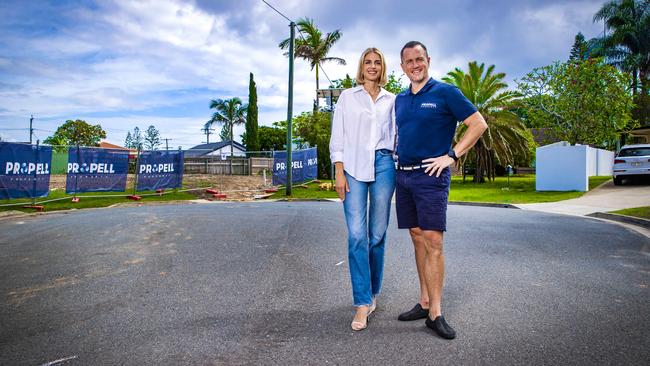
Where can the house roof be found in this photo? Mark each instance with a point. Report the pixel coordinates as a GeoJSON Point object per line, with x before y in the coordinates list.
{"type": "Point", "coordinates": [107, 145]}
{"type": "Point", "coordinates": [203, 149]}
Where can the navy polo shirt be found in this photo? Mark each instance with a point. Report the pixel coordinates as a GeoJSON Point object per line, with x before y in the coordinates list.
{"type": "Point", "coordinates": [426, 121]}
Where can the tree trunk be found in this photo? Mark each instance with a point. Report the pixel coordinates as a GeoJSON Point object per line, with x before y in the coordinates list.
{"type": "Point", "coordinates": [231, 148]}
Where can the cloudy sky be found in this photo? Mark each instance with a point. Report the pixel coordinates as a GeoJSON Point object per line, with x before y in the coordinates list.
{"type": "Point", "coordinates": [127, 63]}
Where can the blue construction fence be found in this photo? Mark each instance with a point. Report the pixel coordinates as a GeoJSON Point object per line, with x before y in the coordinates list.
{"type": "Point", "coordinates": [26, 170]}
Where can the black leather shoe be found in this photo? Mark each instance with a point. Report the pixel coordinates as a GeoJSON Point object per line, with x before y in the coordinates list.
{"type": "Point", "coordinates": [414, 314]}
{"type": "Point", "coordinates": [440, 326]}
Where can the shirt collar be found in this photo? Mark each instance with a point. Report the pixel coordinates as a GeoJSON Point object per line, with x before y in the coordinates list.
{"type": "Point", "coordinates": [430, 83]}
{"type": "Point", "coordinates": [359, 88]}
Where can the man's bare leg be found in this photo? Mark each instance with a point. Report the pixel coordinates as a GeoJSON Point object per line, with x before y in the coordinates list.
{"type": "Point", "coordinates": [434, 269]}
{"type": "Point", "coordinates": [420, 260]}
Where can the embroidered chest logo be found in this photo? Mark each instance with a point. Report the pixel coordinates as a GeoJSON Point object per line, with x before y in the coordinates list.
{"type": "Point", "coordinates": [429, 105]}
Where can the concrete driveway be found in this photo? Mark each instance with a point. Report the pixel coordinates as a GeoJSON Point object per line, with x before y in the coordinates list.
{"type": "Point", "coordinates": [268, 283]}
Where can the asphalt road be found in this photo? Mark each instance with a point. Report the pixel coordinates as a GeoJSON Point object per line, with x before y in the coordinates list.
{"type": "Point", "coordinates": [267, 283]}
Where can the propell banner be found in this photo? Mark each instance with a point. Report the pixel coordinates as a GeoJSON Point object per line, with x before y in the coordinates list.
{"type": "Point", "coordinates": [303, 166]}
{"type": "Point", "coordinates": [93, 169]}
{"type": "Point", "coordinates": [160, 169]}
{"type": "Point", "coordinates": [25, 170]}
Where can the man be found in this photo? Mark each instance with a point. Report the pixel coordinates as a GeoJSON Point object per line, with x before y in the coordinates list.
{"type": "Point", "coordinates": [427, 115]}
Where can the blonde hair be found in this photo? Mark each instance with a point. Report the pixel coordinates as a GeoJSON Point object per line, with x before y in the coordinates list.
{"type": "Point", "coordinates": [382, 78]}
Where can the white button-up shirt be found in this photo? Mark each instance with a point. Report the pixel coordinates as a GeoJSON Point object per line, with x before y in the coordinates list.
{"type": "Point", "coordinates": [361, 126]}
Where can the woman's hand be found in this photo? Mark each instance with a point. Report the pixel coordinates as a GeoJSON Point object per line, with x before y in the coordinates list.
{"type": "Point", "coordinates": [341, 184]}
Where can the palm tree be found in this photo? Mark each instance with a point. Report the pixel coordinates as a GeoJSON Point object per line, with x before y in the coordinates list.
{"type": "Point", "coordinates": [229, 112]}
{"type": "Point", "coordinates": [627, 46]}
{"type": "Point", "coordinates": [506, 137]}
{"type": "Point", "coordinates": [313, 46]}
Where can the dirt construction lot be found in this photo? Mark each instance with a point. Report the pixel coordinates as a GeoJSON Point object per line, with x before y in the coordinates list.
{"type": "Point", "coordinates": [236, 187]}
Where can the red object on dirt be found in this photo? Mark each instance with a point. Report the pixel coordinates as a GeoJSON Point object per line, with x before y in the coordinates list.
{"type": "Point", "coordinates": [219, 195]}
{"type": "Point", "coordinates": [75, 199]}
{"type": "Point", "coordinates": [271, 190]}
{"type": "Point", "coordinates": [38, 208]}
{"type": "Point", "coordinates": [160, 191]}
{"type": "Point", "coordinates": [134, 197]}
{"type": "Point", "coordinates": [213, 191]}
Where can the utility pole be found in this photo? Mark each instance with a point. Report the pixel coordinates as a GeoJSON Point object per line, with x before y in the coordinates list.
{"type": "Point", "coordinates": [289, 165]}
{"type": "Point", "coordinates": [207, 131]}
{"type": "Point", "coordinates": [31, 130]}
{"type": "Point", "coordinates": [166, 144]}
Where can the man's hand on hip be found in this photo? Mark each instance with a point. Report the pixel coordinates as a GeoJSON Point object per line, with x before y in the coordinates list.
{"type": "Point", "coordinates": [437, 165]}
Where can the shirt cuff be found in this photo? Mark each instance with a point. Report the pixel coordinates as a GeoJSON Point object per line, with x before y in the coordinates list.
{"type": "Point", "coordinates": [336, 156]}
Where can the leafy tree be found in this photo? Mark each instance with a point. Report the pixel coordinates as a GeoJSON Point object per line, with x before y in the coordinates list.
{"type": "Point", "coordinates": [270, 138]}
{"type": "Point", "coordinates": [314, 129]}
{"type": "Point", "coordinates": [627, 46]}
{"type": "Point", "coordinates": [507, 139]}
{"type": "Point", "coordinates": [583, 102]}
{"type": "Point", "coordinates": [394, 84]}
{"type": "Point", "coordinates": [344, 83]}
{"type": "Point", "coordinates": [152, 138]}
{"type": "Point", "coordinates": [251, 141]}
{"type": "Point", "coordinates": [77, 132]}
{"type": "Point", "coordinates": [313, 46]}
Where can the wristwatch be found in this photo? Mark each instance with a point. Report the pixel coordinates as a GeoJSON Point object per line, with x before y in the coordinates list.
{"type": "Point", "coordinates": [452, 154]}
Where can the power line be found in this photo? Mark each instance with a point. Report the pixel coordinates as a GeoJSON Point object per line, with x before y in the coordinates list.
{"type": "Point", "coordinates": [277, 11]}
{"type": "Point", "coordinates": [301, 36]}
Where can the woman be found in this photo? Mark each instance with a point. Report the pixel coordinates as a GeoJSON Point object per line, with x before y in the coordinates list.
{"type": "Point", "coordinates": [363, 136]}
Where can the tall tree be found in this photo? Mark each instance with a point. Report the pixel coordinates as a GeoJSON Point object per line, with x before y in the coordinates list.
{"type": "Point", "coordinates": [134, 140]}
{"type": "Point", "coordinates": [579, 49]}
{"type": "Point", "coordinates": [627, 45]}
{"type": "Point", "coordinates": [77, 132]}
{"type": "Point", "coordinates": [251, 142]}
{"type": "Point", "coordinates": [583, 102]}
{"type": "Point", "coordinates": [506, 138]}
{"type": "Point", "coordinates": [152, 138]}
{"type": "Point", "coordinates": [229, 112]}
{"type": "Point", "coordinates": [312, 46]}
{"type": "Point", "coordinates": [128, 141]}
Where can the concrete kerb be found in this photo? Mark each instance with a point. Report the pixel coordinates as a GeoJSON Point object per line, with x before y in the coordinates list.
{"type": "Point", "coordinates": [622, 218]}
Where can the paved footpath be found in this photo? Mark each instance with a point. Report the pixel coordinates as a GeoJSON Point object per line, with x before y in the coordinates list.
{"type": "Point", "coordinates": [604, 198]}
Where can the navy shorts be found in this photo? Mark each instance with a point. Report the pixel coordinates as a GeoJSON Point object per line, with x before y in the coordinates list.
{"type": "Point", "coordinates": [421, 200]}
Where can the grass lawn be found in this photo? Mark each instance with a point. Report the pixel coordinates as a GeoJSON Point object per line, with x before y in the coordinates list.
{"type": "Point", "coordinates": [640, 212]}
{"type": "Point", "coordinates": [89, 202]}
{"type": "Point", "coordinates": [520, 190]}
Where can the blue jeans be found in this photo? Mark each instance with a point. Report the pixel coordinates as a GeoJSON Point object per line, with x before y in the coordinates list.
{"type": "Point", "coordinates": [367, 228]}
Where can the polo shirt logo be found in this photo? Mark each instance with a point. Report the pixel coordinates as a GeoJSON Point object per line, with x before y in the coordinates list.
{"type": "Point", "coordinates": [428, 105]}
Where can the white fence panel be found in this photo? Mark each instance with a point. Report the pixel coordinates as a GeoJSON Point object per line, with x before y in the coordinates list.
{"type": "Point", "coordinates": [561, 167]}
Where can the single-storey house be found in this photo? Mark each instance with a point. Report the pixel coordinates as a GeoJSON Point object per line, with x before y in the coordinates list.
{"type": "Point", "coordinates": [217, 149]}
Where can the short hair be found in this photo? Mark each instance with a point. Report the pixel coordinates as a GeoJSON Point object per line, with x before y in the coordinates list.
{"type": "Point", "coordinates": [382, 78]}
{"type": "Point", "coordinates": [413, 44]}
